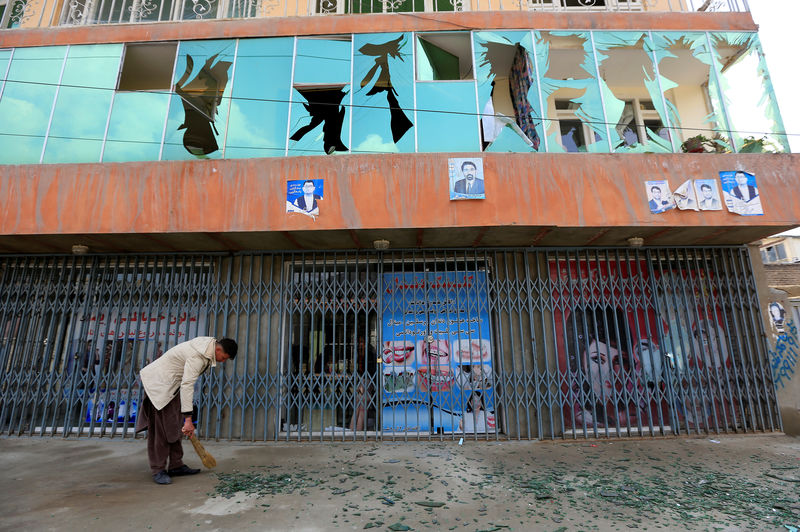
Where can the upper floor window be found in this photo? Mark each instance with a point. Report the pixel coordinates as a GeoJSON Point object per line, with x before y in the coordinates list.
{"type": "Point", "coordinates": [147, 67]}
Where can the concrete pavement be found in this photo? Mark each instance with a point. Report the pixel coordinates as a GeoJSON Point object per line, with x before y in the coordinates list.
{"type": "Point", "coordinates": [710, 483]}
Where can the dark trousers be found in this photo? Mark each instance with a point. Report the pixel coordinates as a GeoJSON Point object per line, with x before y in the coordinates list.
{"type": "Point", "coordinates": [163, 433]}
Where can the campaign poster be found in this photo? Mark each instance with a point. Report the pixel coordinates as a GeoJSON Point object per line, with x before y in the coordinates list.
{"type": "Point", "coordinates": [303, 196]}
{"type": "Point", "coordinates": [659, 196]}
{"type": "Point", "coordinates": [609, 357]}
{"type": "Point", "coordinates": [707, 193]}
{"type": "Point", "coordinates": [686, 197]}
{"type": "Point", "coordinates": [437, 369]}
{"type": "Point", "coordinates": [740, 191]}
{"type": "Point", "coordinates": [466, 178]}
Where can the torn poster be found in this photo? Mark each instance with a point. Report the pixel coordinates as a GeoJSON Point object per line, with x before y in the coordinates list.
{"type": "Point", "coordinates": [708, 193]}
{"type": "Point", "coordinates": [685, 197]}
{"type": "Point", "coordinates": [741, 195]}
{"type": "Point", "coordinates": [304, 196]}
{"type": "Point", "coordinates": [659, 196]}
{"type": "Point", "coordinates": [466, 178]}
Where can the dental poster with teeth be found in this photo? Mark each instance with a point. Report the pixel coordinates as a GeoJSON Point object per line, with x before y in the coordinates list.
{"type": "Point", "coordinates": [447, 384]}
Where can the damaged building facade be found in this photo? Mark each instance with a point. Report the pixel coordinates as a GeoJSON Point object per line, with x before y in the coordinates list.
{"type": "Point", "coordinates": [481, 221]}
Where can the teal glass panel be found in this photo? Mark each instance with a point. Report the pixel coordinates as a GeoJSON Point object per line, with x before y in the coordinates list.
{"type": "Point", "coordinates": [322, 61]}
{"type": "Point", "coordinates": [383, 102]}
{"type": "Point", "coordinates": [27, 101]}
{"type": "Point", "coordinates": [634, 104]}
{"type": "Point", "coordinates": [320, 121]}
{"type": "Point", "coordinates": [571, 94]}
{"type": "Point", "coordinates": [136, 126]}
{"type": "Point", "coordinates": [691, 92]}
{"type": "Point", "coordinates": [79, 119]}
{"type": "Point", "coordinates": [259, 107]}
{"type": "Point", "coordinates": [508, 92]}
{"type": "Point", "coordinates": [747, 91]}
{"type": "Point", "coordinates": [198, 110]}
{"type": "Point", "coordinates": [5, 57]}
{"type": "Point", "coordinates": [446, 117]}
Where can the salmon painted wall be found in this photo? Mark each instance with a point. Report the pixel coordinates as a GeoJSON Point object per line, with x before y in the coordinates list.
{"type": "Point", "coordinates": [383, 191]}
{"type": "Point", "coordinates": [344, 24]}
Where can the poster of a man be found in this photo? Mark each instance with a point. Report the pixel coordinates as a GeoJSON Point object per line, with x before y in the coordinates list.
{"type": "Point", "coordinates": [660, 196]}
{"type": "Point", "coordinates": [685, 196]}
{"type": "Point", "coordinates": [466, 179]}
{"type": "Point", "coordinates": [741, 193]}
{"type": "Point", "coordinates": [777, 315]}
{"type": "Point", "coordinates": [303, 196]}
{"type": "Point", "coordinates": [708, 195]}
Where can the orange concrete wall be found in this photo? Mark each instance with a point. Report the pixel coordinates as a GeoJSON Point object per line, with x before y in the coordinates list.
{"type": "Point", "coordinates": [376, 191]}
{"type": "Point", "coordinates": [344, 24]}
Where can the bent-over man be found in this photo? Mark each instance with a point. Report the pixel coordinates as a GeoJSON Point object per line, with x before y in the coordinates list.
{"type": "Point", "coordinates": [166, 410]}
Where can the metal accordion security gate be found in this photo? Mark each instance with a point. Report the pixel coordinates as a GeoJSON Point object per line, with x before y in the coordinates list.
{"type": "Point", "coordinates": [395, 345]}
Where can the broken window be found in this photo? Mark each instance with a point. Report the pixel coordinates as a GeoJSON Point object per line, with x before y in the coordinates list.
{"type": "Point", "coordinates": [690, 90]}
{"type": "Point", "coordinates": [634, 104]}
{"type": "Point", "coordinates": [27, 99]}
{"type": "Point", "coordinates": [447, 118]}
{"type": "Point", "coordinates": [444, 56]}
{"type": "Point", "coordinates": [749, 97]}
{"type": "Point", "coordinates": [321, 119]}
{"type": "Point", "coordinates": [508, 92]}
{"type": "Point", "coordinates": [384, 100]}
{"type": "Point", "coordinates": [83, 103]}
{"type": "Point", "coordinates": [136, 125]}
{"type": "Point", "coordinates": [199, 108]}
{"type": "Point", "coordinates": [147, 67]}
{"type": "Point", "coordinates": [571, 93]}
{"type": "Point", "coordinates": [259, 108]}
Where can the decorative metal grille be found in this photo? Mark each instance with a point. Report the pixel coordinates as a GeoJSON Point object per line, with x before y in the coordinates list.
{"type": "Point", "coordinates": [418, 344]}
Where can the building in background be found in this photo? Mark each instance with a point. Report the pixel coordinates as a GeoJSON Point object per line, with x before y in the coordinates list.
{"type": "Point", "coordinates": [518, 220]}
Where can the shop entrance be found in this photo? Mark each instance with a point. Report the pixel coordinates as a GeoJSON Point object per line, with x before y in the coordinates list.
{"type": "Point", "coordinates": [437, 375]}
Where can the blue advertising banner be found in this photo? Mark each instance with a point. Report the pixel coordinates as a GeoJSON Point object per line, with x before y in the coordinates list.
{"type": "Point", "coordinates": [437, 370]}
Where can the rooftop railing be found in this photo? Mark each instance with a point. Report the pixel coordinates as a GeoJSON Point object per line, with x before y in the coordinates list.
{"type": "Point", "coordinates": [39, 13]}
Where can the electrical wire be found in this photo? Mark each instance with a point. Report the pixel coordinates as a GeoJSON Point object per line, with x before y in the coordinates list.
{"type": "Point", "coordinates": [384, 107]}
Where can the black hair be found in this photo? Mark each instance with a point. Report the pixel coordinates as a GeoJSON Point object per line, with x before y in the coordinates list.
{"type": "Point", "coordinates": [602, 324]}
{"type": "Point", "coordinates": [779, 307]}
{"type": "Point", "coordinates": [308, 181]}
{"type": "Point", "coordinates": [469, 401]}
{"type": "Point", "coordinates": [465, 163]}
{"type": "Point", "coordinates": [705, 185]}
{"type": "Point", "coordinates": [653, 188]}
{"type": "Point", "coordinates": [229, 346]}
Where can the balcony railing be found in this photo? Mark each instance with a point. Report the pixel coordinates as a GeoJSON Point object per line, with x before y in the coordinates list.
{"type": "Point", "coordinates": [39, 13]}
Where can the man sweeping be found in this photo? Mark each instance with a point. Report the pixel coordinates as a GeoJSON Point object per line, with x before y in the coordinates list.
{"type": "Point", "coordinates": [166, 411]}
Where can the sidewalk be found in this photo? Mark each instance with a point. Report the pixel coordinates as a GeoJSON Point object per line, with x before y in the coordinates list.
{"type": "Point", "coordinates": [739, 483]}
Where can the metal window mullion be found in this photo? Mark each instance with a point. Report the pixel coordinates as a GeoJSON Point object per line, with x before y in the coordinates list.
{"type": "Point", "coordinates": [414, 87]}
{"type": "Point", "coordinates": [169, 102]}
{"type": "Point", "coordinates": [672, 131]}
{"type": "Point", "coordinates": [291, 97]}
{"type": "Point", "coordinates": [55, 102]}
{"type": "Point", "coordinates": [230, 98]}
{"type": "Point", "coordinates": [7, 70]}
{"type": "Point", "coordinates": [600, 91]}
{"type": "Point", "coordinates": [723, 106]}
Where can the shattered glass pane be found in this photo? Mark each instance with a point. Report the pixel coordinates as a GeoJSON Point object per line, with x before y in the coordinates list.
{"type": "Point", "coordinates": [383, 102]}
{"type": "Point", "coordinates": [446, 117]}
{"type": "Point", "coordinates": [79, 119]}
{"type": "Point", "coordinates": [27, 102]}
{"type": "Point", "coordinates": [508, 92]}
{"type": "Point", "coordinates": [320, 119]}
{"type": "Point", "coordinates": [571, 92]}
{"type": "Point", "coordinates": [749, 97]}
{"type": "Point", "coordinates": [634, 105]}
{"type": "Point", "coordinates": [322, 61]}
{"type": "Point", "coordinates": [136, 126]}
{"type": "Point", "coordinates": [198, 110]}
{"type": "Point", "coordinates": [259, 109]}
{"type": "Point", "coordinates": [690, 91]}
